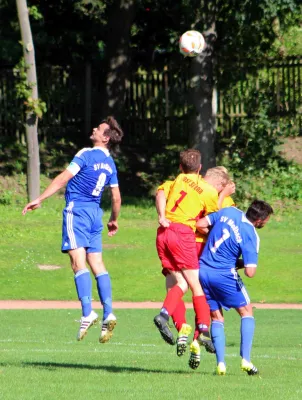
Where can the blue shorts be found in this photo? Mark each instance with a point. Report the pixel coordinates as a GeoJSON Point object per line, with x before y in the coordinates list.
{"type": "Point", "coordinates": [223, 289]}
{"type": "Point", "coordinates": [82, 227]}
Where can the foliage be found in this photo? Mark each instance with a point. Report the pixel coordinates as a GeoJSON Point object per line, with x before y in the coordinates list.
{"type": "Point", "coordinates": [24, 91]}
{"type": "Point", "coordinates": [254, 144]}
{"type": "Point", "coordinates": [279, 186]}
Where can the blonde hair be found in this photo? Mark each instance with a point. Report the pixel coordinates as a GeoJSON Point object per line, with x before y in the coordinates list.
{"type": "Point", "coordinates": [218, 174]}
{"type": "Point", "coordinates": [222, 168]}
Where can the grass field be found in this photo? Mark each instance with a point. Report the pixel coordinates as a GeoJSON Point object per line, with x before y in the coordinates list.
{"type": "Point", "coordinates": [130, 256]}
{"type": "Point", "coordinates": [40, 359]}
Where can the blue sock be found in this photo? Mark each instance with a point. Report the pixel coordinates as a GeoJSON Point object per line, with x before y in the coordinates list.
{"type": "Point", "coordinates": [218, 339]}
{"type": "Point", "coordinates": [83, 284]}
{"type": "Point", "coordinates": [247, 333]}
{"type": "Point", "coordinates": [104, 289]}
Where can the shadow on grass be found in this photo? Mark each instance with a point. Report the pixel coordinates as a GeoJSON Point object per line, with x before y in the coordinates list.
{"type": "Point", "coordinates": [108, 368]}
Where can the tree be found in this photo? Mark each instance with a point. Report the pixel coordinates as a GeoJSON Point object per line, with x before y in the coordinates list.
{"type": "Point", "coordinates": [235, 31]}
{"type": "Point", "coordinates": [31, 124]}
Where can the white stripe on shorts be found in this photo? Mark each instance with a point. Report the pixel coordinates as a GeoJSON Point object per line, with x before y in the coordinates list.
{"type": "Point", "coordinates": [69, 222]}
{"type": "Point", "coordinates": [243, 291]}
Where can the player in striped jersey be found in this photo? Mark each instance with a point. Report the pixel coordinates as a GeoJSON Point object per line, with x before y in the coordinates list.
{"type": "Point", "coordinates": [90, 171]}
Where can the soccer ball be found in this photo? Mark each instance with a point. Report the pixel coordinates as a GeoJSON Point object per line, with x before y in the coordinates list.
{"type": "Point", "coordinates": [191, 43]}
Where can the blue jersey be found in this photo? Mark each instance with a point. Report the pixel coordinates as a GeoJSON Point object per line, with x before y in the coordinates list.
{"type": "Point", "coordinates": [93, 169]}
{"type": "Point", "coordinates": [231, 236]}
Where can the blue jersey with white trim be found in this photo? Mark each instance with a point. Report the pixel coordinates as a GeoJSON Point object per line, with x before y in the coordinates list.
{"type": "Point", "coordinates": [231, 236]}
{"type": "Point", "coordinates": [94, 169]}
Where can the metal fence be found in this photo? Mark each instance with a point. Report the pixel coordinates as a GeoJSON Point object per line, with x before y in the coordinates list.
{"type": "Point", "coordinates": [156, 104]}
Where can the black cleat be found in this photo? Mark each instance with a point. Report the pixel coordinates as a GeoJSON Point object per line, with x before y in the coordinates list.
{"type": "Point", "coordinates": [162, 325]}
{"type": "Point", "coordinates": [204, 339]}
{"type": "Point", "coordinates": [249, 368]}
{"type": "Point", "coordinates": [194, 359]}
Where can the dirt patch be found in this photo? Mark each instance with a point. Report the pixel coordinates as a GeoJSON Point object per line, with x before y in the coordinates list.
{"type": "Point", "coordinates": [291, 150]}
{"type": "Point", "coordinates": [55, 304]}
{"type": "Point", "coordinates": [48, 267]}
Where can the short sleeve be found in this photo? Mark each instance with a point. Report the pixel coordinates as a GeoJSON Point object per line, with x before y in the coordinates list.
{"type": "Point", "coordinates": [166, 186]}
{"type": "Point", "coordinates": [250, 248]}
{"type": "Point", "coordinates": [80, 158]}
{"type": "Point", "coordinates": [213, 217]}
{"type": "Point", "coordinates": [113, 179]}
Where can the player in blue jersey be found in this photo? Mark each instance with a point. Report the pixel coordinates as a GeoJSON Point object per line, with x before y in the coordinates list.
{"type": "Point", "coordinates": [231, 236]}
{"type": "Point", "coordinates": [90, 171]}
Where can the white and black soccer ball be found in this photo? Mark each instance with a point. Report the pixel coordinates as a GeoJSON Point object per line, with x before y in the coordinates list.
{"type": "Point", "coordinates": [191, 43]}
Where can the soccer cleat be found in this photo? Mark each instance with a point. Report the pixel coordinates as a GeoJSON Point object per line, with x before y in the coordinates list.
{"type": "Point", "coordinates": [204, 339]}
{"type": "Point", "coordinates": [86, 323]}
{"type": "Point", "coordinates": [162, 325]}
{"type": "Point", "coordinates": [107, 327]}
{"type": "Point", "coordinates": [194, 359]}
{"type": "Point", "coordinates": [221, 368]}
{"type": "Point", "coordinates": [249, 367]}
{"type": "Point", "coordinates": [181, 341]}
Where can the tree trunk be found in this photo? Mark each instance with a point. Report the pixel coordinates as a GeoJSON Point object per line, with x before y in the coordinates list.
{"type": "Point", "coordinates": [203, 132]}
{"type": "Point", "coordinates": [33, 157]}
{"type": "Point", "coordinates": [117, 56]}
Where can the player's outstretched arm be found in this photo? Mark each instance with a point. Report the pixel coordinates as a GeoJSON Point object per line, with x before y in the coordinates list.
{"type": "Point", "coordinates": [116, 202]}
{"type": "Point", "coordinates": [58, 183]}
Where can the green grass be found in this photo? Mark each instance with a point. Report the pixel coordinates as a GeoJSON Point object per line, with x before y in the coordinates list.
{"type": "Point", "coordinates": [130, 256]}
{"type": "Point", "coordinates": [40, 359]}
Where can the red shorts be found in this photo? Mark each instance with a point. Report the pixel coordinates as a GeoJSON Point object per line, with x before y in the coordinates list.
{"type": "Point", "coordinates": [176, 247]}
{"type": "Point", "coordinates": [199, 247]}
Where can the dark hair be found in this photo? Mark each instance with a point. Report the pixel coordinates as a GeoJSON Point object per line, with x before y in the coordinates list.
{"type": "Point", "coordinates": [259, 209]}
{"type": "Point", "coordinates": [190, 160]}
{"type": "Point", "coordinates": [114, 131]}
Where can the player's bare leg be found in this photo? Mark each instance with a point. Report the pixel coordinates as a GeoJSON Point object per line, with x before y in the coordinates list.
{"type": "Point", "coordinates": [179, 319]}
{"type": "Point", "coordinates": [202, 311]}
{"type": "Point", "coordinates": [173, 297]}
{"type": "Point", "coordinates": [83, 285]}
{"type": "Point", "coordinates": [108, 323]}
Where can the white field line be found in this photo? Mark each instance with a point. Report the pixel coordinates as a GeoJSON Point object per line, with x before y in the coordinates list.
{"type": "Point", "coordinates": [114, 349]}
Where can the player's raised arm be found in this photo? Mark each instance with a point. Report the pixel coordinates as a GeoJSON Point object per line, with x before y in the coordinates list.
{"type": "Point", "coordinates": [58, 183]}
{"type": "Point", "coordinates": [227, 191]}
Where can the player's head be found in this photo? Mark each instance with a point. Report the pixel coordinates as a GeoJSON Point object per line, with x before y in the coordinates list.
{"type": "Point", "coordinates": [190, 161]}
{"type": "Point", "coordinates": [222, 168]}
{"type": "Point", "coordinates": [217, 177]}
{"type": "Point", "coordinates": [108, 133]}
{"type": "Point", "coordinates": [259, 213]}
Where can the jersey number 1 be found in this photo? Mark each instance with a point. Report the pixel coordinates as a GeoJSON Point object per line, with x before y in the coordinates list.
{"type": "Point", "coordinates": [225, 236]}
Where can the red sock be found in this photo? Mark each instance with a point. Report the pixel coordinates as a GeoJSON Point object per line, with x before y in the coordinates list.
{"type": "Point", "coordinates": [202, 310]}
{"type": "Point", "coordinates": [179, 315]}
{"type": "Point", "coordinates": [173, 296]}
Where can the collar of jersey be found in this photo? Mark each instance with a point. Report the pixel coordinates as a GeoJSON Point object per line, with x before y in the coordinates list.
{"type": "Point", "coordinates": [244, 219]}
{"type": "Point", "coordinates": [106, 151]}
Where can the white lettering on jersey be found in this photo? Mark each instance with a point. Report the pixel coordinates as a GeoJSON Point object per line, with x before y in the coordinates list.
{"type": "Point", "coordinates": [235, 229]}
{"type": "Point", "coordinates": [102, 166]}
